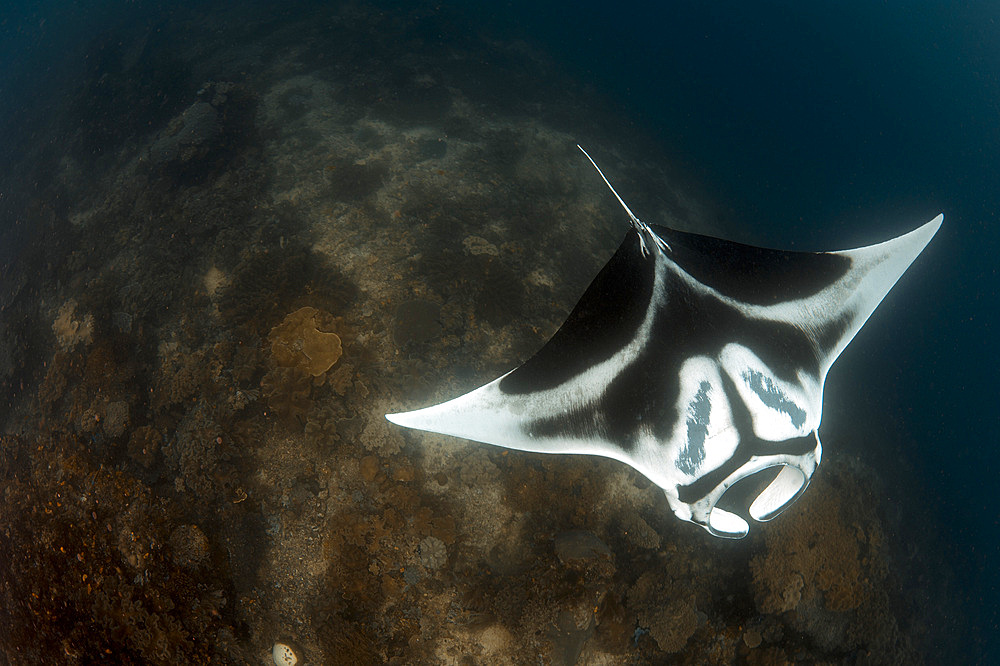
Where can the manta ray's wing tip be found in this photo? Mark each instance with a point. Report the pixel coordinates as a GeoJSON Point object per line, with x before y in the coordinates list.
{"type": "Point", "coordinates": [923, 234]}
{"type": "Point", "coordinates": [418, 419]}
{"type": "Point", "coordinates": [399, 418]}
{"type": "Point", "coordinates": [931, 228]}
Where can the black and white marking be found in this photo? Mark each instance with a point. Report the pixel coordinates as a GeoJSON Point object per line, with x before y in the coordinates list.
{"type": "Point", "coordinates": [696, 360]}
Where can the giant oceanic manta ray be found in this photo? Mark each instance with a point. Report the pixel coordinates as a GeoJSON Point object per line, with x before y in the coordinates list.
{"type": "Point", "coordinates": [696, 360]}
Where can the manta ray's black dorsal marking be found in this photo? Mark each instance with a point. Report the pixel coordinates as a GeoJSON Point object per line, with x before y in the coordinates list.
{"type": "Point", "coordinates": [752, 274]}
{"type": "Point", "coordinates": [697, 361]}
{"type": "Point", "coordinates": [604, 320]}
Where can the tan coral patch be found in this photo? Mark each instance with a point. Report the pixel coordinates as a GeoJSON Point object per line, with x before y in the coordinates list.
{"type": "Point", "coordinates": [69, 330]}
{"type": "Point", "coordinates": [298, 342]}
{"type": "Point", "coordinates": [812, 551]}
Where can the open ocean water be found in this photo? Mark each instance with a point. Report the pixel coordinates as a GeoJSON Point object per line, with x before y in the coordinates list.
{"type": "Point", "coordinates": [192, 194]}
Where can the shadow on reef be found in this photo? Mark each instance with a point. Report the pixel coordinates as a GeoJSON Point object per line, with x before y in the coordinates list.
{"type": "Point", "coordinates": [132, 83]}
{"type": "Point", "coordinates": [278, 278]}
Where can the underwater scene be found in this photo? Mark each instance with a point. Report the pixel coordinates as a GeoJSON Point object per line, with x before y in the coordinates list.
{"type": "Point", "coordinates": [234, 236]}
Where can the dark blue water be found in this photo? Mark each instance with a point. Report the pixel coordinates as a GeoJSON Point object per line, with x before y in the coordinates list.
{"type": "Point", "coordinates": [811, 127]}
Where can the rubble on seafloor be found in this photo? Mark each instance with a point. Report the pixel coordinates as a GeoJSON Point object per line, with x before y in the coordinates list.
{"type": "Point", "coordinates": [200, 466]}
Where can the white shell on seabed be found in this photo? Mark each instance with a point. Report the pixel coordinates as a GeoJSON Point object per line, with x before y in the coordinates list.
{"type": "Point", "coordinates": [284, 655]}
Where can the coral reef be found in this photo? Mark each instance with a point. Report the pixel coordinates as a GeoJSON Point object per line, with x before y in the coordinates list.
{"type": "Point", "coordinates": [187, 137]}
{"type": "Point", "coordinates": [265, 285]}
{"type": "Point", "coordinates": [415, 321]}
{"type": "Point", "coordinates": [287, 392]}
{"type": "Point", "coordinates": [433, 553]}
{"type": "Point", "coordinates": [144, 444]}
{"type": "Point", "coordinates": [665, 606]}
{"type": "Point", "coordinates": [180, 377]}
{"type": "Point", "coordinates": [109, 591]}
{"type": "Point", "coordinates": [189, 546]}
{"type": "Point", "coordinates": [823, 570]}
{"type": "Point", "coordinates": [115, 418]}
{"type": "Point", "coordinates": [71, 331]}
{"type": "Point", "coordinates": [298, 342]}
{"type": "Point", "coordinates": [830, 564]}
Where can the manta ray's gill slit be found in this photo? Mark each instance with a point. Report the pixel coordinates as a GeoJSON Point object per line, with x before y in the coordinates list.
{"type": "Point", "coordinates": [699, 414]}
{"type": "Point", "coordinates": [748, 446]}
{"type": "Point", "coordinates": [773, 397]}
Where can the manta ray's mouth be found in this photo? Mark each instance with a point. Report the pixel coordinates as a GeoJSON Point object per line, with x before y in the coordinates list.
{"type": "Point", "coordinates": [761, 495]}
{"type": "Point", "coordinates": [738, 497]}
{"type": "Point", "coordinates": [764, 494]}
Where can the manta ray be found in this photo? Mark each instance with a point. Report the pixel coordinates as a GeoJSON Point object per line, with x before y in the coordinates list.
{"type": "Point", "coordinates": [698, 361]}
